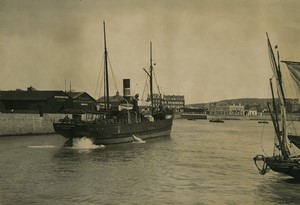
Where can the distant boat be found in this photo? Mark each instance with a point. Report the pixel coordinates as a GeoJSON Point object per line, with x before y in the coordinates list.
{"type": "Point", "coordinates": [282, 160]}
{"type": "Point", "coordinates": [216, 120]}
{"type": "Point", "coordinates": [118, 124]}
{"type": "Point", "coordinates": [263, 122]}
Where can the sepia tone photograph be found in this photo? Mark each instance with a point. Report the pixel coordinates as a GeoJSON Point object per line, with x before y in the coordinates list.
{"type": "Point", "coordinates": [149, 102]}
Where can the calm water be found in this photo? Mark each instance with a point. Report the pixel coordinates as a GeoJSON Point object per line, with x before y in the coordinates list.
{"type": "Point", "coordinates": [202, 163]}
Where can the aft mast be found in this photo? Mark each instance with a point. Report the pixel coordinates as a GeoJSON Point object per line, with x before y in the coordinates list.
{"type": "Point", "coordinates": [151, 78]}
{"type": "Point", "coordinates": [150, 74]}
{"type": "Point", "coordinates": [106, 85]}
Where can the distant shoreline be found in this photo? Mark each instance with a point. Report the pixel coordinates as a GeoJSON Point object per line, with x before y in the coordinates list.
{"type": "Point", "coordinates": [294, 117]}
{"type": "Point", "coordinates": [12, 124]}
{"type": "Point", "coordinates": [290, 117]}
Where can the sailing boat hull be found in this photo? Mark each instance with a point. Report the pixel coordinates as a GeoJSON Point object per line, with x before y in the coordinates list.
{"type": "Point", "coordinates": [290, 167]}
{"type": "Point", "coordinates": [114, 133]}
{"type": "Point", "coordinates": [283, 162]}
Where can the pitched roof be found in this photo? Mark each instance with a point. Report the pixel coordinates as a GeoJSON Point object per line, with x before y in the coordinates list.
{"type": "Point", "coordinates": [29, 95]}
{"type": "Point", "coordinates": [111, 99]}
{"type": "Point", "coordinates": [75, 95]}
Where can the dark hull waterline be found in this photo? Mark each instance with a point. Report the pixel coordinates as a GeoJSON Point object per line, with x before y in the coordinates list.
{"type": "Point", "coordinates": [288, 167]}
{"type": "Point", "coordinates": [114, 133]}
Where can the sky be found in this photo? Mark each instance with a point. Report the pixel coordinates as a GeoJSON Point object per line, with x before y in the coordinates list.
{"type": "Point", "coordinates": [206, 50]}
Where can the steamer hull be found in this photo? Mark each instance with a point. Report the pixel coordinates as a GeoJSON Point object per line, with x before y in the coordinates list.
{"type": "Point", "coordinates": [114, 133]}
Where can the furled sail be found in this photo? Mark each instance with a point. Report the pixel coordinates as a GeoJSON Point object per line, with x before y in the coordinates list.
{"type": "Point", "coordinates": [276, 71]}
{"type": "Point", "coordinates": [294, 69]}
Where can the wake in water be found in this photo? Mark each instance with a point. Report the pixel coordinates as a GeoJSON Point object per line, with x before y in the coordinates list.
{"type": "Point", "coordinates": [137, 139]}
{"type": "Point", "coordinates": [85, 143]}
{"type": "Point", "coordinates": [41, 146]}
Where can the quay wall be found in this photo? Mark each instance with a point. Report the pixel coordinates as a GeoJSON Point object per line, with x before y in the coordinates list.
{"type": "Point", "coordinates": [293, 117]}
{"type": "Point", "coordinates": [25, 124]}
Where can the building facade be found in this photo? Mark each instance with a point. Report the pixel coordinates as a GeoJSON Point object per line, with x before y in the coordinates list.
{"type": "Point", "coordinates": [292, 106]}
{"type": "Point", "coordinates": [174, 102]}
{"type": "Point", "coordinates": [224, 108]}
{"type": "Point", "coordinates": [252, 111]}
{"type": "Point", "coordinates": [236, 109]}
{"type": "Point", "coordinates": [34, 101]}
{"type": "Point", "coordinates": [82, 102]}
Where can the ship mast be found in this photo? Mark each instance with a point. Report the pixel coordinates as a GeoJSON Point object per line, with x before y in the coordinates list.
{"type": "Point", "coordinates": [282, 135]}
{"type": "Point", "coordinates": [106, 86]}
{"type": "Point", "coordinates": [151, 78]}
{"type": "Point", "coordinates": [283, 111]}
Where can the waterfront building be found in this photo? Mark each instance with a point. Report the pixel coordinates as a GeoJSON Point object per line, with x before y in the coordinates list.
{"type": "Point", "coordinates": [82, 102]}
{"type": "Point", "coordinates": [114, 101]}
{"type": "Point", "coordinates": [174, 102]}
{"type": "Point", "coordinates": [224, 108]}
{"type": "Point", "coordinates": [292, 105]}
{"type": "Point", "coordinates": [157, 100]}
{"type": "Point", "coordinates": [219, 108]}
{"type": "Point", "coordinates": [236, 109]}
{"type": "Point", "coordinates": [252, 111]}
{"type": "Point", "coordinates": [34, 101]}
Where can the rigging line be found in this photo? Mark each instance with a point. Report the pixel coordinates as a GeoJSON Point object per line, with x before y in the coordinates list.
{"type": "Point", "coordinates": [99, 77]}
{"type": "Point", "coordinates": [101, 85]}
{"type": "Point", "coordinates": [136, 85]}
{"type": "Point", "coordinates": [274, 148]}
{"type": "Point", "coordinates": [292, 127]}
{"type": "Point", "coordinates": [261, 141]}
{"type": "Point", "coordinates": [146, 81]}
{"type": "Point", "coordinates": [145, 86]}
{"type": "Point", "coordinates": [292, 147]}
{"type": "Point", "coordinates": [156, 83]}
{"type": "Point", "coordinates": [275, 137]}
{"type": "Point", "coordinates": [112, 73]}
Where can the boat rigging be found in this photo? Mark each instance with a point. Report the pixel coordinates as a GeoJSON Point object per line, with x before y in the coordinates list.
{"type": "Point", "coordinates": [282, 160]}
{"type": "Point", "coordinates": [118, 123]}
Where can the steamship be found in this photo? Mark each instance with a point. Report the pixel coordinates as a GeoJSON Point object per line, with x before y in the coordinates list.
{"type": "Point", "coordinates": [120, 122]}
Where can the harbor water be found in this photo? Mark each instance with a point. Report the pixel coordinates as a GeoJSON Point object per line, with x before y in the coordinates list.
{"type": "Point", "coordinates": [201, 163]}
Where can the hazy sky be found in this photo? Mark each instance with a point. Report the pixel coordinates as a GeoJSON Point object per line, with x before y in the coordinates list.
{"type": "Point", "coordinates": [207, 50]}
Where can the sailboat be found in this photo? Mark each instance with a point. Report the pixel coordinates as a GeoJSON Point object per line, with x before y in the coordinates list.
{"type": "Point", "coordinates": [282, 161]}
{"type": "Point", "coordinates": [121, 123]}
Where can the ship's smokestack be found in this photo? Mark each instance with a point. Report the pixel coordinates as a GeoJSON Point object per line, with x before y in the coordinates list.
{"type": "Point", "coordinates": [126, 88]}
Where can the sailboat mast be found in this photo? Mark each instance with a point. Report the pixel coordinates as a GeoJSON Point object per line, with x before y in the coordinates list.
{"type": "Point", "coordinates": [283, 110]}
{"type": "Point", "coordinates": [274, 118]}
{"type": "Point", "coordinates": [282, 135]}
{"type": "Point", "coordinates": [275, 121]}
{"type": "Point", "coordinates": [106, 86]}
{"type": "Point", "coordinates": [151, 78]}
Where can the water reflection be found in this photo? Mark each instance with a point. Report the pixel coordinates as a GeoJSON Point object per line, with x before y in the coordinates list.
{"type": "Point", "coordinates": [279, 189]}
{"type": "Point", "coordinates": [84, 150]}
